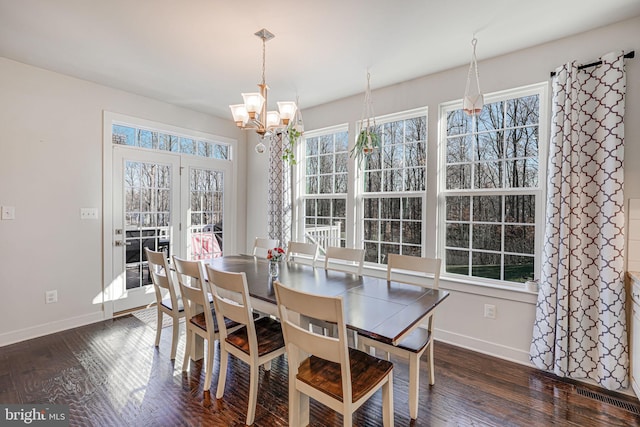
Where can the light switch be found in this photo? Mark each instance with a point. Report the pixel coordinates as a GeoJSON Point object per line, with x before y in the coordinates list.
{"type": "Point", "coordinates": [88, 213]}
{"type": "Point", "coordinates": [8, 212]}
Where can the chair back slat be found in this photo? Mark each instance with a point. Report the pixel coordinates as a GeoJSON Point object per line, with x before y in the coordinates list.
{"type": "Point", "coordinates": [430, 267]}
{"type": "Point", "coordinates": [350, 255]}
{"type": "Point", "coordinates": [158, 268]}
{"type": "Point", "coordinates": [190, 273]}
{"type": "Point", "coordinates": [294, 305]}
{"type": "Point", "coordinates": [262, 245]}
{"type": "Point", "coordinates": [299, 248]}
{"type": "Point", "coordinates": [231, 295]}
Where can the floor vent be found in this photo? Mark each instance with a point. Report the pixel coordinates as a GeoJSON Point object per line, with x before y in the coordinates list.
{"type": "Point", "coordinates": [609, 400]}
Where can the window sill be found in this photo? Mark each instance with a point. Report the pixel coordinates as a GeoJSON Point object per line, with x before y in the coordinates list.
{"type": "Point", "coordinates": [469, 286]}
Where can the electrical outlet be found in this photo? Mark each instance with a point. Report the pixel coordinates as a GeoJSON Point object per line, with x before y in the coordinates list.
{"type": "Point", "coordinates": [490, 311]}
{"type": "Point", "coordinates": [51, 297]}
{"type": "Point", "coordinates": [88, 213]}
{"type": "Point", "coordinates": [8, 212]}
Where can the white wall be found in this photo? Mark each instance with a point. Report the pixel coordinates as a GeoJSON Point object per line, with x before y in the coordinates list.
{"type": "Point", "coordinates": [460, 320]}
{"type": "Point", "coordinates": [50, 167]}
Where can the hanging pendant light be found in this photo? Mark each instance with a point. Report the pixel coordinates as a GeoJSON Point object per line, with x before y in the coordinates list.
{"type": "Point", "coordinates": [472, 103]}
{"type": "Point", "coordinates": [253, 114]}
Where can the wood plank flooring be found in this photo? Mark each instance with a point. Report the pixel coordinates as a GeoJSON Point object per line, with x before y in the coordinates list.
{"type": "Point", "coordinates": [110, 374]}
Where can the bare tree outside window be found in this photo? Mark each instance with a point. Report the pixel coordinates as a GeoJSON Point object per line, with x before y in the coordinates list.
{"type": "Point", "coordinates": [491, 184]}
{"type": "Point", "coordinates": [394, 190]}
{"type": "Point", "coordinates": [325, 183]}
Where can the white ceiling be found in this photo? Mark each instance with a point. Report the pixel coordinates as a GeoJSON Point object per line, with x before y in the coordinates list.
{"type": "Point", "coordinates": [200, 54]}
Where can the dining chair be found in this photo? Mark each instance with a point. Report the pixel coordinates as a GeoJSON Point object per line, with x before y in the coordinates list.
{"type": "Point", "coordinates": [414, 345]}
{"type": "Point", "coordinates": [200, 316]}
{"type": "Point", "coordinates": [325, 368]}
{"type": "Point", "coordinates": [310, 250]}
{"type": "Point", "coordinates": [349, 256]}
{"type": "Point", "coordinates": [262, 245]}
{"type": "Point", "coordinates": [168, 299]}
{"type": "Point", "coordinates": [256, 342]}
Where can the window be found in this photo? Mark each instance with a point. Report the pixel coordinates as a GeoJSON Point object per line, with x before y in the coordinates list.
{"type": "Point", "coordinates": [151, 139]}
{"type": "Point", "coordinates": [393, 192]}
{"type": "Point", "coordinates": [325, 187]}
{"type": "Point", "coordinates": [491, 187]}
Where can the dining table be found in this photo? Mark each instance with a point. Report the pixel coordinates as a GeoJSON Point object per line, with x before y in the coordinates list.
{"type": "Point", "coordinates": [386, 311]}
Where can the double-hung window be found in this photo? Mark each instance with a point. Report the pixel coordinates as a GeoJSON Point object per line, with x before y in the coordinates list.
{"type": "Point", "coordinates": [324, 197]}
{"type": "Point", "coordinates": [393, 188]}
{"type": "Point", "coordinates": [491, 187]}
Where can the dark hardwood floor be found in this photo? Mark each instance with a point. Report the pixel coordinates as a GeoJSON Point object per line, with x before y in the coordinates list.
{"type": "Point", "coordinates": [110, 373]}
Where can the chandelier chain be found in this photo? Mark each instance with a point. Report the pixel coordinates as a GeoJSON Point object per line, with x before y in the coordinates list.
{"type": "Point", "coordinates": [264, 59]}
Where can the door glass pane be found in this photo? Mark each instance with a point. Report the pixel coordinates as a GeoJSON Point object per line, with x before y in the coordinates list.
{"type": "Point", "coordinates": [205, 231]}
{"type": "Point", "coordinates": [147, 199]}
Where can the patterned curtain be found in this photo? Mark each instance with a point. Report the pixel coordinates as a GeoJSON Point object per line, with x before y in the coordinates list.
{"type": "Point", "coordinates": [580, 329]}
{"type": "Point", "coordinates": [279, 221]}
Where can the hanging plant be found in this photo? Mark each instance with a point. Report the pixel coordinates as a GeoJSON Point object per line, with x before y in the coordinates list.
{"type": "Point", "coordinates": [368, 139]}
{"type": "Point", "coordinates": [293, 133]}
{"type": "Point", "coordinates": [472, 103]}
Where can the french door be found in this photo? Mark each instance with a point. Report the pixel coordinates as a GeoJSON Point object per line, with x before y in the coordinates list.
{"type": "Point", "coordinates": [165, 202]}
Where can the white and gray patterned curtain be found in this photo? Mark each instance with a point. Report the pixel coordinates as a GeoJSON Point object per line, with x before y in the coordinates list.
{"type": "Point", "coordinates": [279, 220]}
{"type": "Point", "coordinates": [580, 328]}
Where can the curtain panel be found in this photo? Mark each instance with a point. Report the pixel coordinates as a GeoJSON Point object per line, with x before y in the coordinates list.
{"type": "Point", "coordinates": [279, 197]}
{"type": "Point", "coordinates": [580, 328]}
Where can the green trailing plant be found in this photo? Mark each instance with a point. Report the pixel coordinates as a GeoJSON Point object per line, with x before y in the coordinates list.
{"type": "Point", "coordinates": [367, 142]}
{"type": "Point", "coordinates": [293, 135]}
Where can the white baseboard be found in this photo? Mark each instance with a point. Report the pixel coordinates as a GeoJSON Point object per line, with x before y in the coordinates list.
{"type": "Point", "coordinates": [489, 348]}
{"type": "Point", "coordinates": [31, 332]}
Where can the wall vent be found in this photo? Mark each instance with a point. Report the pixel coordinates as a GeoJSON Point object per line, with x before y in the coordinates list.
{"type": "Point", "coordinates": [609, 400]}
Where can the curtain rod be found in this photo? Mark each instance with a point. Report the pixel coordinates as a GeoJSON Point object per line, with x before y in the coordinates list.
{"type": "Point", "coordinates": [628, 55]}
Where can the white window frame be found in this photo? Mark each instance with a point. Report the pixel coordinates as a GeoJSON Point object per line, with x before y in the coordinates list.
{"type": "Point", "coordinates": [300, 187]}
{"type": "Point", "coordinates": [540, 89]}
{"type": "Point", "coordinates": [359, 187]}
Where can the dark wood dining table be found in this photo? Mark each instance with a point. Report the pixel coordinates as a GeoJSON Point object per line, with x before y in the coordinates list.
{"type": "Point", "coordinates": [382, 310]}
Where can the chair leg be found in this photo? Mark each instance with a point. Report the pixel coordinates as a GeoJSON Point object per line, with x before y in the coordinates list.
{"type": "Point", "coordinates": [414, 384]}
{"type": "Point", "coordinates": [174, 339]}
{"type": "Point", "coordinates": [159, 328]}
{"type": "Point", "coordinates": [253, 393]}
{"type": "Point", "coordinates": [432, 372]}
{"type": "Point", "coordinates": [209, 369]}
{"type": "Point", "coordinates": [387, 403]}
{"type": "Point", "coordinates": [222, 376]}
{"type": "Point", "coordinates": [298, 405]}
{"type": "Point", "coordinates": [187, 350]}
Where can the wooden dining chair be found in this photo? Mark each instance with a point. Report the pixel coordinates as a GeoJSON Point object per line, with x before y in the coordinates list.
{"type": "Point", "coordinates": [168, 298]}
{"type": "Point", "coordinates": [256, 342]}
{"type": "Point", "coordinates": [325, 368]}
{"type": "Point", "coordinates": [262, 245]}
{"type": "Point", "coordinates": [349, 258]}
{"type": "Point", "coordinates": [309, 250]}
{"type": "Point", "coordinates": [417, 342]}
{"type": "Point", "coordinates": [200, 318]}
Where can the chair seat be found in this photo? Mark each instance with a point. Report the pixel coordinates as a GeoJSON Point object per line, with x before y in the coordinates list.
{"type": "Point", "coordinates": [416, 341]}
{"type": "Point", "coordinates": [200, 321]}
{"type": "Point", "coordinates": [366, 372]}
{"type": "Point", "coordinates": [268, 332]}
{"type": "Point", "coordinates": [167, 303]}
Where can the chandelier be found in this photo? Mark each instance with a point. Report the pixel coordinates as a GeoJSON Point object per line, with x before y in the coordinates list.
{"type": "Point", "coordinates": [253, 113]}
